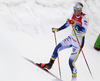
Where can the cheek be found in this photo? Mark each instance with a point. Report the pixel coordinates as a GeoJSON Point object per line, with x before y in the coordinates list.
{"type": "Point", "coordinates": [75, 12]}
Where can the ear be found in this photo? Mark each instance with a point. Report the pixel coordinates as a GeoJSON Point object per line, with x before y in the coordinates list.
{"type": "Point", "coordinates": [80, 11]}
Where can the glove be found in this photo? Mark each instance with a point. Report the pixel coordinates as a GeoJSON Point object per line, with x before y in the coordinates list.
{"type": "Point", "coordinates": [71, 22]}
{"type": "Point", "coordinates": [55, 29]}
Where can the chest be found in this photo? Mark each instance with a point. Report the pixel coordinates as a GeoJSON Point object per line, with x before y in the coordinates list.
{"type": "Point", "coordinates": [77, 19]}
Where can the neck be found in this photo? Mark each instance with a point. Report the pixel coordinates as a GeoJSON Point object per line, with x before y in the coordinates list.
{"type": "Point", "coordinates": [80, 14]}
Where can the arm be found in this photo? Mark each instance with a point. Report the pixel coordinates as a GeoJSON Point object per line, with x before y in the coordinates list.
{"type": "Point", "coordinates": [64, 26]}
{"type": "Point", "coordinates": [61, 28]}
{"type": "Point", "coordinates": [79, 28]}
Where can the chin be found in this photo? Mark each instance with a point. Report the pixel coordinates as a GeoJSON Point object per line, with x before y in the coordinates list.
{"type": "Point", "coordinates": [75, 13]}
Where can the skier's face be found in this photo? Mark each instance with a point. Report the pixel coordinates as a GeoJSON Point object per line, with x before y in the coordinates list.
{"type": "Point", "coordinates": [77, 11]}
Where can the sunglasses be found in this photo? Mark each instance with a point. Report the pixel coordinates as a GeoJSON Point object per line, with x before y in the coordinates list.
{"type": "Point", "coordinates": [76, 9]}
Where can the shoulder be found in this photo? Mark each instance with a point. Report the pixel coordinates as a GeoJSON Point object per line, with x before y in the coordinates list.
{"type": "Point", "coordinates": [85, 17]}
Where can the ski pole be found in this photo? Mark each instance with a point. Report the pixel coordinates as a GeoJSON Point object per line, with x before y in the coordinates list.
{"type": "Point", "coordinates": [83, 54]}
{"type": "Point", "coordinates": [58, 56]}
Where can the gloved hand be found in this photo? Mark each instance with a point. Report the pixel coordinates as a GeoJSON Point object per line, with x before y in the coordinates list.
{"type": "Point", "coordinates": [71, 21]}
{"type": "Point", "coordinates": [55, 29]}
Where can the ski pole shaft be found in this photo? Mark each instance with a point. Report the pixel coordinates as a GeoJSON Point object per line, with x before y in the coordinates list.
{"type": "Point", "coordinates": [55, 38]}
{"type": "Point", "coordinates": [58, 56]}
{"type": "Point", "coordinates": [83, 54]}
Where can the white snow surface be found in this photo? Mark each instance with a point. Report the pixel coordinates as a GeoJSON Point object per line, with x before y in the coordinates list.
{"type": "Point", "coordinates": [25, 30]}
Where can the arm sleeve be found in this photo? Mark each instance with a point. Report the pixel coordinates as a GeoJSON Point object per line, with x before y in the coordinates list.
{"type": "Point", "coordinates": [64, 26]}
{"type": "Point", "coordinates": [85, 22]}
{"type": "Point", "coordinates": [79, 28]}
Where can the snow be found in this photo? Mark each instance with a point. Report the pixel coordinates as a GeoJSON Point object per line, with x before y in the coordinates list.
{"type": "Point", "coordinates": [25, 30]}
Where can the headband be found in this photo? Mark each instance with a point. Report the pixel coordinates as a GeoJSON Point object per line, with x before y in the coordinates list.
{"type": "Point", "coordinates": [77, 5]}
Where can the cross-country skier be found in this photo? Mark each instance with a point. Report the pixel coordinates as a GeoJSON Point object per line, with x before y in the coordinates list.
{"type": "Point", "coordinates": [79, 22]}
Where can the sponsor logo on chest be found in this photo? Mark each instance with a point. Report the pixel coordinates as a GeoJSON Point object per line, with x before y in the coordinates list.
{"type": "Point", "coordinates": [78, 20]}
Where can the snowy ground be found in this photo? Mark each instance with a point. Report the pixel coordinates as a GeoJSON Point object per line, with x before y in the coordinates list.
{"type": "Point", "coordinates": [25, 30]}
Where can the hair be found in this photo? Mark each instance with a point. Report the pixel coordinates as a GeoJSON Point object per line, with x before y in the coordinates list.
{"type": "Point", "coordinates": [80, 4]}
